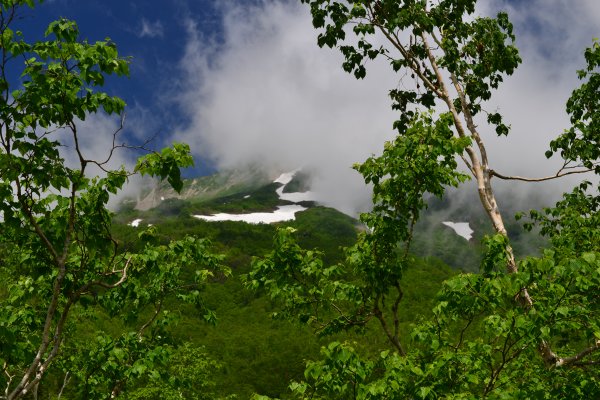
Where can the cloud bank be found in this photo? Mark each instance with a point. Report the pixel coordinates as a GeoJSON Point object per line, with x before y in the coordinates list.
{"type": "Point", "coordinates": [552, 36]}
{"type": "Point", "coordinates": [267, 94]}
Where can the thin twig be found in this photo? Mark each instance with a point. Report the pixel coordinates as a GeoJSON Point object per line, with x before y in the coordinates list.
{"type": "Point", "coordinates": [151, 320]}
{"type": "Point", "coordinates": [65, 382]}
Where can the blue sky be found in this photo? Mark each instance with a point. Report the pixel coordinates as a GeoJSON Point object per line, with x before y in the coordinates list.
{"type": "Point", "coordinates": [153, 33]}
{"type": "Point", "coordinates": [243, 82]}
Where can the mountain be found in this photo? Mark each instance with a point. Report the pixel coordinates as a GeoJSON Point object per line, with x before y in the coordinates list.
{"type": "Point", "coordinates": [233, 208]}
{"type": "Point", "coordinates": [204, 188]}
{"type": "Point", "coordinates": [237, 195]}
{"type": "Point", "coordinates": [450, 229]}
{"type": "Point", "coordinates": [252, 351]}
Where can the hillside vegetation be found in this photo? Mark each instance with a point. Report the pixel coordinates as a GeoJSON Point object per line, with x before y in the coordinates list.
{"type": "Point", "coordinates": [254, 351]}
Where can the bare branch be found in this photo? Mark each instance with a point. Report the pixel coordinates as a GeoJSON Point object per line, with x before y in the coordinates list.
{"type": "Point", "coordinates": [65, 382]}
{"type": "Point", "coordinates": [586, 363]}
{"type": "Point", "coordinates": [395, 308]}
{"type": "Point", "coordinates": [8, 380]}
{"type": "Point", "coordinates": [105, 285]}
{"type": "Point", "coordinates": [469, 119]}
{"type": "Point", "coordinates": [393, 339]}
{"type": "Point", "coordinates": [468, 164]}
{"type": "Point", "coordinates": [397, 43]}
{"type": "Point", "coordinates": [559, 174]}
{"type": "Point", "coordinates": [102, 164]}
{"type": "Point", "coordinates": [461, 337]}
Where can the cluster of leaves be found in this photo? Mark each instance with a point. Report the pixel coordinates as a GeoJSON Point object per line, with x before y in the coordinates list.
{"type": "Point", "coordinates": [571, 225]}
{"type": "Point", "coordinates": [167, 164]}
{"type": "Point", "coordinates": [420, 161]}
{"type": "Point", "coordinates": [478, 344]}
{"type": "Point", "coordinates": [475, 50]}
{"type": "Point", "coordinates": [144, 370]}
{"type": "Point", "coordinates": [299, 279]}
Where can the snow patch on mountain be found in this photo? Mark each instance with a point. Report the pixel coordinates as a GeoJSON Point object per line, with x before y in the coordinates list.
{"type": "Point", "coordinates": [283, 213]}
{"type": "Point", "coordinates": [461, 228]}
{"type": "Point", "coordinates": [135, 223]}
{"type": "Point", "coordinates": [297, 197]}
{"type": "Point", "coordinates": [285, 178]}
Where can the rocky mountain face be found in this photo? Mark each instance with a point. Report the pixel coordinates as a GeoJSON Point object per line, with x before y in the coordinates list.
{"type": "Point", "coordinates": [205, 188]}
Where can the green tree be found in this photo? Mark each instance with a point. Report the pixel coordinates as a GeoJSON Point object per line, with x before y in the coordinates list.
{"type": "Point", "coordinates": [59, 263]}
{"type": "Point", "coordinates": [525, 328]}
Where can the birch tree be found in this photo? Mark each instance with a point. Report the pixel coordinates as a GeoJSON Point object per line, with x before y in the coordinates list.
{"type": "Point", "coordinates": [522, 328]}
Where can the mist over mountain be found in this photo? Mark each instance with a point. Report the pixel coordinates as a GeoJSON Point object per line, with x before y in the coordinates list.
{"type": "Point", "coordinates": [266, 93]}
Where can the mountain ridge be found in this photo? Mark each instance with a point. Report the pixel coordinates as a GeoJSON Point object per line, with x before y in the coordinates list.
{"type": "Point", "coordinates": [448, 229]}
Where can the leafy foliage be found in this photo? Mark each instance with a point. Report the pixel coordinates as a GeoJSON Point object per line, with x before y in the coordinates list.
{"type": "Point", "coordinates": [58, 253]}
{"type": "Point", "coordinates": [167, 164]}
{"type": "Point", "coordinates": [519, 329]}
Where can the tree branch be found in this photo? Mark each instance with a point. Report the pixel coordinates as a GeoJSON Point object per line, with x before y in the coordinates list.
{"type": "Point", "coordinates": [105, 285]}
{"type": "Point", "coordinates": [9, 379]}
{"type": "Point", "coordinates": [64, 384]}
{"type": "Point", "coordinates": [559, 174]}
{"type": "Point", "coordinates": [395, 41]}
{"type": "Point", "coordinates": [576, 359]}
{"type": "Point", "coordinates": [157, 309]}
{"type": "Point", "coordinates": [395, 307]}
{"type": "Point", "coordinates": [393, 339]}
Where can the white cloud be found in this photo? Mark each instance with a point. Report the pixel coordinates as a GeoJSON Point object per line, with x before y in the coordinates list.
{"type": "Point", "coordinates": [551, 36]}
{"type": "Point", "coordinates": [269, 94]}
{"type": "Point", "coordinates": [151, 29]}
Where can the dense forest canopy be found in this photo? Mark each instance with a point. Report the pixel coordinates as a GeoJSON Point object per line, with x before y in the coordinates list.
{"type": "Point", "coordinates": [90, 308]}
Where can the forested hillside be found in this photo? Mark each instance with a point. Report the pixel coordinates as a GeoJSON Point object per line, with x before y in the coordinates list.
{"type": "Point", "coordinates": [251, 350]}
{"type": "Point", "coordinates": [255, 351]}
